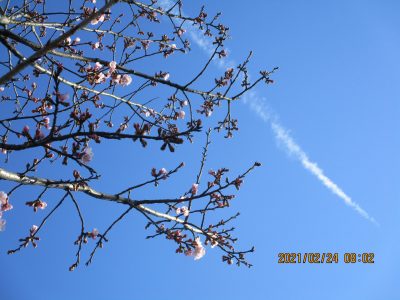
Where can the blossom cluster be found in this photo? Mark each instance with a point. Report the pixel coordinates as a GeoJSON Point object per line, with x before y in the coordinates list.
{"type": "Point", "coordinates": [5, 206]}
{"type": "Point", "coordinates": [184, 210]}
{"type": "Point", "coordinates": [96, 74]}
{"type": "Point", "coordinates": [198, 252]}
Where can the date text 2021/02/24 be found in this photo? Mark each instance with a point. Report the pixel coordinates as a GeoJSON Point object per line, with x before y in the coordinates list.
{"type": "Point", "coordinates": [324, 258]}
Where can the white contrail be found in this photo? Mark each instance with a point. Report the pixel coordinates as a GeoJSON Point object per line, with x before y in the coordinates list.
{"type": "Point", "coordinates": [283, 136]}
{"type": "Point", "coordinates": [259, 107]}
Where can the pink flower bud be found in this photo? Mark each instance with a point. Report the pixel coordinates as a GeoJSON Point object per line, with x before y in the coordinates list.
{"type": "Point", "coordinates": [166, 76]}
{"type": "Point", "coordinates": [195, 188]}
{"type": "Point", "coordinates": [33, 229]}
{"type": "Point", "coordinates": [25, 130]}
{"type": "Point", "coordinates": [163, 172]}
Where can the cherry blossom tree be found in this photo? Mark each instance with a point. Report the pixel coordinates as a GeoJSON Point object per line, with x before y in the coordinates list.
{"type": "Point", "coordinates": [77, 76]}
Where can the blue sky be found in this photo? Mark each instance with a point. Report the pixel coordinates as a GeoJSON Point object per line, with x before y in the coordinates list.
{"type": "Point", "coordinates": [337, 92]}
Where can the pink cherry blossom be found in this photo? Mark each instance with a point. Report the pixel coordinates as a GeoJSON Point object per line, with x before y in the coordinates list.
{"type": "Point", "coordinates": [94, 233]}
{"type": "Point", "coordinates": [180, 32]}
{"type": "Point", "coordinates": [68, 41]}
{"type": "Point", "coordinates": [7, 206]}
{"type": "Point", "coordinates": [4, 203]}
{"type": "Point", "coordinates": [3, 198]}
{"type": "Point", "coordinates": [181, 114]}
{"type": "Point", "coordinates": [87, 155]}
{"type": "Point", "coordinates": [46, 121]}
{"type": "Point", "coordinates": [115, 79]}
{"type": "Point", "coordinates": [97, 66]}
{"type": "Point", "coordinates": [77, 40]}
{"type": "Point", "coordinates": [100, 78]}
{"type": "Point", "coordinates": [199, 250]}
{"type": "Point", "coordinates": [42, 205]}
{"type": "Point", "coordinates": [125, 80]}
{"type": "Point", "coordinates": [113, 66]}
{"type": "Point", "coordinates": [96, 45]}
{"type": "Point", "coordinates": [195, 188]}
{"type": "Point", "coordinates": [183, 210]}
{"type": "Point", "coordinates": [1, 88]}
{"type": "Point", "coordinates": [163, 172]}
{"type": "Point", "coordinates": [185, 103]}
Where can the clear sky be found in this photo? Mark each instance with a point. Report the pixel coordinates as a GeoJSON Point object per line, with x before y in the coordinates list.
{"type": "Point", "coordinates": [337, 91]}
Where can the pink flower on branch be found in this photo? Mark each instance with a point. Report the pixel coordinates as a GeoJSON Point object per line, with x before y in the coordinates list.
{"type": "Point", "coordinates": [195, 188]}
{"type": "Point", "coordinates": [86, 155]}
{"type": "Point", "coordinates": [33, 229]}
{"type": "Point", "coordinates": [183, 210]}
{"type": "Point", "coordinates": [37, 204]}
{"type": "Point", "coordinates": [5, 205]}
{"type": "Point", "coordinates": [113, 66]}
{"type": "Point", "coordinates": [94, 233]}
{"type": "Point", "coordinates": [25, 130]}
{"type": "Point", "coordinates": [115, 79]}
{"type": "Point", "coordinates": [199, 250]}
{"type": "Point", "coordinates": [68, 41]}
{"type": "Point", "coordinates": [166, 76]}
{"type": "Point", "coordinates": [96, 45]}
{"type": "Point", "coordinates": [181, 114]}
{"type": "Point", "coordinates": [125, 80]}
{"type": "Point", "coordinates": [97, 66]}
